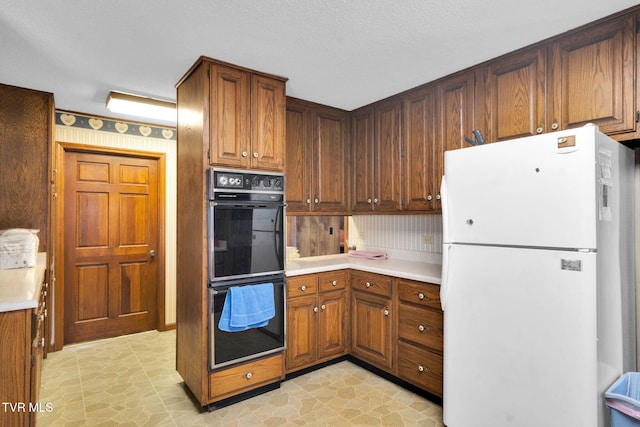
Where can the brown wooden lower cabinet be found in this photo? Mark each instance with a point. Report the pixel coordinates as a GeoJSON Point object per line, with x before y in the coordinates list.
{"type": "Point", "coordinates": [245, 377]}
{"type": "Point", "coordinates": [393, 324]}
{"type": "Point", "coordinates": [316, 319]}
{"type": "Point", "coordinates": [22, 343]}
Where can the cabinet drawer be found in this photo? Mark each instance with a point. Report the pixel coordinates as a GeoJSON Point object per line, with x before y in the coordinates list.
{"type": "Point", "coordinates": [420, 325]}
{"type": "Point", "coordinates": [332, 281]}
{"type": "Point", "coordinates": [420, 367]}
{"type": "Point", "coordinates": [239, 379]}
{"type": "Point", "coordinates": [424, 294]}
{"type": "Point", "coordinates": [302, 285]}
{"type": "Point", "coordinates": [372, 283]}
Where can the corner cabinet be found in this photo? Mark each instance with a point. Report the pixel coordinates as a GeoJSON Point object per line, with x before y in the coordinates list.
{"type": "Point", "coordinates": [232, 117]}
{"type": "Point", "coordinates": [317, 158]}
{"type": "Point", "coordinates": [244, 113]}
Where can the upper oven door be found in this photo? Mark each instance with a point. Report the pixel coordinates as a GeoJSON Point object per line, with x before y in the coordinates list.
{"type": "Point", "coordinates": [245, 239]}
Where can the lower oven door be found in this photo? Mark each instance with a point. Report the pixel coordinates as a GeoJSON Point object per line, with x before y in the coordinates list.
{"type": "Point", "coordinates": [226, 348]}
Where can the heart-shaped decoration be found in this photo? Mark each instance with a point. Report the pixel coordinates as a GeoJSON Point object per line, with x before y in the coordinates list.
{"type": "Point", "coordinates": [145, 130]}
{"type": "Point", "coordinates": [96, 123]}
{"type": "Point", "coordinates": [68, 119]}
{"type": "Point", "coordinates": [121, 127]}
{"type": "Point", "coordinates": [167, 133]}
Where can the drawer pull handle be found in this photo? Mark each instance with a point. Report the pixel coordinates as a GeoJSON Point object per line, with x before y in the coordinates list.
{"type": "Point", "coordinates": [420, 296]}
{"type": "Point", "coordinates": [368, 284]}
{"type": "Point", "coordinates": [423, 328]}
{"type": "Point", "coordinates": [334, 283]}
{"type": "Point", "coordinates": [303, 288]}
{"type": "Point", "coordinates": [249, 375]}
{"type": "Point", "coordinates": [422, 369]}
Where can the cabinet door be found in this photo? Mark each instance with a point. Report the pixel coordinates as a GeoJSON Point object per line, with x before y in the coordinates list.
{"type": "Point", "coordinates": [268, 104]}
{"type": "Point", "coordinates": [371, 329]}
{"type": "Point", "coordinates": [229, 121]}
{"type": "Point", "coordinates": [332, 326]}
{"type": "Point", "coordinates": [298, 162]}
{"type": "Point", "coordinates": [330, 160]}
{"type": "Point", "coordinates": [515, 99]}
{"type": "Point", "coordinates": [387, 120]}
{"type": "Point", "coordinates": [420, 183]}
{"type": "Point", "coordinates": [454, 117]}
{"type": "Point", "coordinates": [302, 326]}
{"type": "Point", "coordinates": [592, 78]}
{"type": "Point", "coordinates": [362, 160]}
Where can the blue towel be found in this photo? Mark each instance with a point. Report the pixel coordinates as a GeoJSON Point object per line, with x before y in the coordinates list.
{"type": "Point", "coordinates": [247, 307]}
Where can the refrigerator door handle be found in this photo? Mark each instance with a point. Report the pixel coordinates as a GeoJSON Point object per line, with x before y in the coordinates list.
{"type": "Point", "coordinates": [444, 282]}
{"type": "Point", "coordinates": [444, 203]}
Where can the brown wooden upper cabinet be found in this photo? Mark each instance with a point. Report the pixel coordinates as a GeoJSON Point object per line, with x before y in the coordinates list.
{"type": "Point", "coordinates": [376, 172]}
{"type": "Point", "coordinates": [420, 183]}
{"type": "Point", "coordinates": [247, 118]}
{"type": "Point", "coordinates": [584, 77]}
{"type": "Point", "coordinates": [317, 158]}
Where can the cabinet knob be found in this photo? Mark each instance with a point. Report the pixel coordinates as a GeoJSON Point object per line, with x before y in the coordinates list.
{"type": "Point", "coordinates": [368, 284]}
{"type": "Point", "coordinates": [386, 312]}
{"type": "Point", "coordinates": [316, 200]}
{"type": "Point", "coordinates": [245, 154]}
{"type": "Point", "coordinates": [423, 328]}
{"type": "Point", "coordinates": [420, 296]}
{"type": "Point", "coordinates": [249, 375]}
{"type": "Point", "coordinates": [334, 283]}
{"type": "Point", "coordinates": [308, 201]}
{"type": "Point", "coordinates": [369, 200]}
{"type": "Point", "coordinates": [422, 368]}
{"type": "Point", "coordinates": [555, 126]}
{"type": "Point", "coordinates": [438, 196]}
{"type": "Point", "coordinates": [323, 307]}
{"type": "Point", "coordinates": [429, 197]}
{"type": "Point", "coordinates": [303, 288]}
{"type": "Point", "coordinates": [255, 154]}
{"type": "Point", "coordinates": [539, 129]}
{"type": "Point", "coordinates": [315, 309]}
{"type": "Point", "coordinates": [375, 201]}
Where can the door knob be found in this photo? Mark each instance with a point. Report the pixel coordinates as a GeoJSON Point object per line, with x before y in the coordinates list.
{"type": "Point", "coordinates": [152, 253]}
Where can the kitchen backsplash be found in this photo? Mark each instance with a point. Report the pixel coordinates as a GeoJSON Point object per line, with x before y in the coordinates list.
{"type": "Point", "coordinates": [414, 237]}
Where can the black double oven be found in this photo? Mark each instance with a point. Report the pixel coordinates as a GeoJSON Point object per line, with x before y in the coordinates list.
{"type": "Point", "coordinates": [246, 217]}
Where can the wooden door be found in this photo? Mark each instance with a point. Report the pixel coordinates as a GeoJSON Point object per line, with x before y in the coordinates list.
{"type": "Point", "coordinates": [298, 162]}
{"type": "Point", "coordinates": [387, 120]}
{"type": "Point", "coordinates": [420, 183]}
{"type": "Point", "coordinates": [332, 325]}
{"type": "Point", "coordinates": [592, 78]}
{"type": "Point", "coordinates": [268, 105]}
{"type": "Point", "coordinates": [516, 96]}
{"type": "Point", "coordinates": [302, 327]}
{"type": "Point", "coordinates": [362, 160]}
{"type": "Point", "coordinates": [110, 242]}
{"type": "Point", "coordinates": [229, 117]}
{"type": "Point", "coordinates": [371, 329]}
{"type": "Point", "coordinates": [330, 160]}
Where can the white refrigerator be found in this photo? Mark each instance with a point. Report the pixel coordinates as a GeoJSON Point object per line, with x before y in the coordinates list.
{"type": "Point", "coordinates": [538, 282]}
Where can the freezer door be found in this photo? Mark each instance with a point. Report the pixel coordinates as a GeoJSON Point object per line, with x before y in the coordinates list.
{"type": "Point", "coordinates": [526, 192]}
{"type": "Point", "coordinates": [520, 338]}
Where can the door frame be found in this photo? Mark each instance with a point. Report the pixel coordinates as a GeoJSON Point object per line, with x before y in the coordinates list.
{"type": "Point", "coordinates": [58, 230]}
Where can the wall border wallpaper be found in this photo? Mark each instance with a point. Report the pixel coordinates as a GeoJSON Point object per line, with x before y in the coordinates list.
{"type": "Point", "coordinates": [69, 119]}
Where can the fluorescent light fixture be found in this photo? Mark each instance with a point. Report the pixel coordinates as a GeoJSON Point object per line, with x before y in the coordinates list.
{"type": "Point", "coordinates": [134, 105]}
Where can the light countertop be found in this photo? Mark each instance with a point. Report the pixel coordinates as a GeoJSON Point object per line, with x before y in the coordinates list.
{"type": "Point", "coordinates": [20, 287]}
{"type": "Point", "coordinates": [413, 270]}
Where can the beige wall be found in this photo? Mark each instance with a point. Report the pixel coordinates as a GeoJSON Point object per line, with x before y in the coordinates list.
{"type": "Point", "coordinates": [99, 138]}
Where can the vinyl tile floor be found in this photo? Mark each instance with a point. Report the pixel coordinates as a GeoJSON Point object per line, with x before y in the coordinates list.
{"type": "Point", "coordinates": [132, 381]}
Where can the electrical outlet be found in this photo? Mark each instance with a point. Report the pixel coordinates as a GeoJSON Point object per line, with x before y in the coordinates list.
{"type": "Point", "coordinates": [427, 239]}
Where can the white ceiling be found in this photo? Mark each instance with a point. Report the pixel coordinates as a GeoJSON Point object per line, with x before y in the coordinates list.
{"type": "Point", "coordinates": [343, 53]}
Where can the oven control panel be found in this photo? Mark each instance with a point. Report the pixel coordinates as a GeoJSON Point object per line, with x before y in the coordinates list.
{"type": "Point", "coordinates": [247, 181]}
